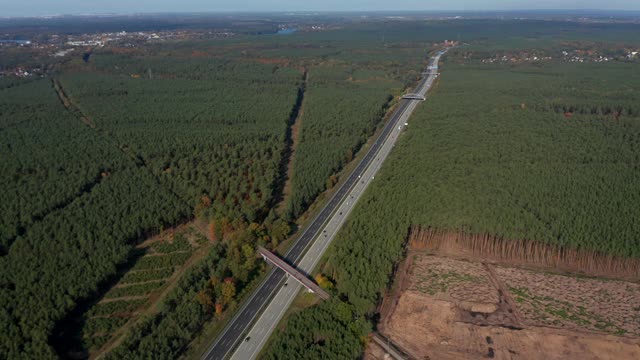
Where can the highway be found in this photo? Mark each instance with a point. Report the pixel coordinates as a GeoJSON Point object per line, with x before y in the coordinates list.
{"type": "Point", "coordinates": [272, 294]}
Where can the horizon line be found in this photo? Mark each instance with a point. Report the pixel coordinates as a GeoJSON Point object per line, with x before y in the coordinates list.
{"type": "Point", "coordinates": [316, 12]}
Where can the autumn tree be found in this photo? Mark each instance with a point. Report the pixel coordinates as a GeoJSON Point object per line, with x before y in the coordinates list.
{"type": "Point", "coordinates": [323, 281]}
{"type": "Point", "coordinates": [219, 308]}
{"type": "Point", "coordinates": [205, 298]}
{"type": "Point", "coordinates": [226, 227]}
{"type": "Point", "coordinates": [331, 181]}
{"type": "Point", "coordinates": [228, 291]}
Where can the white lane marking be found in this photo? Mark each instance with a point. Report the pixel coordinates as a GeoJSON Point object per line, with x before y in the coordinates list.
{"type": "Point", "coordinates": [274, 324]}
{"type": "Point", "coordinates": [261, 331]}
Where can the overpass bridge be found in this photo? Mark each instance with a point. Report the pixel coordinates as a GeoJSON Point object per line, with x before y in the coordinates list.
{"type": "Point", "coordinates": [293, 272]}
{"type": "Point", "coordinates": [390, 347]}
{"type": "Point", "coordinates": [414, 97]}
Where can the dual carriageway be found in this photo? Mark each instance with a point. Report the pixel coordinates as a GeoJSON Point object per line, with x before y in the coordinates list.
{"type": "Point", "coordinates": [247, 332]}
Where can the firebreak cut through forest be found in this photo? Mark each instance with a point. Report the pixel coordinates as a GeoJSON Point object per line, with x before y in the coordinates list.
{"type": "Point", "coordinates": [101, 155]}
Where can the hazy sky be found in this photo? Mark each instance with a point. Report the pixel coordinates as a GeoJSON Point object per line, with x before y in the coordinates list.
{"type": "Point", "coordinates": [50, 7]}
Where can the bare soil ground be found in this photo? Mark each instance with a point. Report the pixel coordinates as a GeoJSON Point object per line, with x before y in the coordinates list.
{"type": "Point", "coordinates": [448, 308]}
{"type": "Point", "coordinates": [461, 282]}
{"type": "Point", "coordinates": [575, 303]}
{"type": "Point", "coordinates": [375, 352]}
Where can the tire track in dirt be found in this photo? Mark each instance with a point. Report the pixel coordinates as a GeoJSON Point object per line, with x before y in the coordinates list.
{"type": "Point", "coordinates": [505, 298]}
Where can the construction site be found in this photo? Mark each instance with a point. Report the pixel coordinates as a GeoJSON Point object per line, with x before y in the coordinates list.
{"type": "Point", "coordinates": [466, 296]}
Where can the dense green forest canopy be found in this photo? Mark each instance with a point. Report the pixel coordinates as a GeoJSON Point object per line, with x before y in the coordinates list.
{"type": "Point", "coordinates": [101, 154]}
{"type": "Point", "coordinates": [365, 90]}
{"type": "Point", "coordinates": [79, 195]}
{"type": "Point", "coordinates": [548, 152]}
{"type": "Point", "coordinates": [340, 113]}
{"type": "Point", "coordinates": [46, 161]}
{"type": "Point", "coordinates": [221, 137]}
{"type": "Point", "coordinates": [73, 206]}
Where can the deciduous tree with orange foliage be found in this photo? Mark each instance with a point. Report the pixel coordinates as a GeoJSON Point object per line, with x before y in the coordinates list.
{"type": "Point", "coordinates": [228, 290]}
{"type": "Point", "coordinates": [212, 231]}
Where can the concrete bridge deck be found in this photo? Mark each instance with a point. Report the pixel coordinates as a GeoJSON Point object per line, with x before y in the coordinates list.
{"type": "Point", "coordinates": [413, 97]}
{"type": "Point", "coordinates": [293, 272]}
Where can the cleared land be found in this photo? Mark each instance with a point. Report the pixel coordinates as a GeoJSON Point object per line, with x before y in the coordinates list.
{"type": "Point", "coordinates": [463, 308]}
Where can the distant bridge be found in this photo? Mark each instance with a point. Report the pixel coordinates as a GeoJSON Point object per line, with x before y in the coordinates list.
{"type": "Point", "coordinates": [293, 272]}
{"type": "Point", "coordinates": [414, 97]}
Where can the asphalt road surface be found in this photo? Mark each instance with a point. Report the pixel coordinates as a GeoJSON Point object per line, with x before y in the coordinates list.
{"type": "Point", "coordinates": [277, 291]}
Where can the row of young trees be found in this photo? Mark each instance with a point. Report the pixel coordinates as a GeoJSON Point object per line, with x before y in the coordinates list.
{"type": "Point", "coordinates": [64, 257]}
{"type": "Point", "coordinates": [205, 293]}
{"type": "Point", "coordinates": [475, 160]}
{"type": "Point", "coordinates": [133, 293]}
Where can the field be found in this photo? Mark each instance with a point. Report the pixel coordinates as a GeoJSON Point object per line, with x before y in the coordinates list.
{"type": "Point", "coordinates": [453, 306]}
